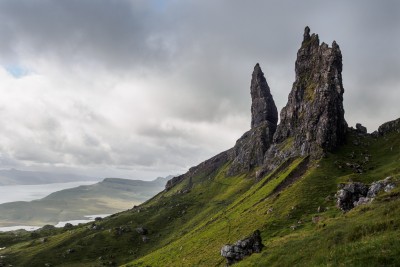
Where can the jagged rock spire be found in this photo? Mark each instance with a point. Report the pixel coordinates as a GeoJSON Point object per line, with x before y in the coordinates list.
{"type": "Point", "coordinates": [250, 149]}
{"type": "Point", "coordinates": [313, 119]}
{"type": "Point", "coordinates": [263, 106]}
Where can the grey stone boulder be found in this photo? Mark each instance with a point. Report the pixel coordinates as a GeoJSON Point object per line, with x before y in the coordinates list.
{"type": "Point", "coordinates": [349, 194]}
{"type": "Point", "coordinates": [355, 194]}
{"type": "Point", "coordinates": [386, 185]}
{"type": "Point", "coordinates": [242, 248]}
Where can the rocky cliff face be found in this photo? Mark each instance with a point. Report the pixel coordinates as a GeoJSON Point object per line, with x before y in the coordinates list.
{"type": "Point", "coordinates": [313, 121]}
{"type": "Point", "coordinates": [250, 149]}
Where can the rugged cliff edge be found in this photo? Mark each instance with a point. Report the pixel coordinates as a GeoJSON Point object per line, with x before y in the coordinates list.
{"type": "Point", "coordinates": [312, 122]}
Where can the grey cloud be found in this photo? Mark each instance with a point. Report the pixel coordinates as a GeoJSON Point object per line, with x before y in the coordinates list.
{"type": "Point", "coordinates": [198, 57]}
{"type": "Point", "coordinates": [116, 34]}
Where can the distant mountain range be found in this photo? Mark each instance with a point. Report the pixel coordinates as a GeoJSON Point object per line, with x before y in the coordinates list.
{"type": "Point", "coordinates": [17, 177]}
{"type": "Point", "coordinates": [108, 196]}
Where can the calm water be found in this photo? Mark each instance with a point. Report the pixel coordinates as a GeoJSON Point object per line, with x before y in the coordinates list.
{"type": "Point", "coordinates": [90, 218]}
{"type": "Point", "coordinates": [10, 193]}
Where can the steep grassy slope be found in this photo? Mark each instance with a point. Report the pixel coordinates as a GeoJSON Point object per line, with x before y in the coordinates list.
{"type": "Point", "coordinates": [189, 229]}
{"type": "Point", "coordinates": [366, 236]}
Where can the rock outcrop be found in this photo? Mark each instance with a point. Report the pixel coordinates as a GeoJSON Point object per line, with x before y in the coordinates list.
{"type": "Point", "coordinates": [250, 149]}
{"type": "Point", "coordinates": [312, 122]}
{"type": "Point", "coordinates": [355, 194]}
{"type": "Point", "coordinates": [242, 248]}
{"type": "Point", "coordinates": [390, 126]}
{"type": "Point", "coordinates": [361, 129]}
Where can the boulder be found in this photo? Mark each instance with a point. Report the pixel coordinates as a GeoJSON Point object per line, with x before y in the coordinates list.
{"type": "Point", "coordinates": [349, 194]}
{"type": "Point", "coordinates": [355, 194]}
{"type": "Point", "coordinates": [242, 248]}
{"type": "Point", "coordinates": [386, 185]}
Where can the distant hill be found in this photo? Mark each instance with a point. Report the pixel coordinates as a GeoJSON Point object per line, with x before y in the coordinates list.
{"type": "Point", "coordinates": [17, 177]}
{"type": "Point", "coordinates": [108, 196]}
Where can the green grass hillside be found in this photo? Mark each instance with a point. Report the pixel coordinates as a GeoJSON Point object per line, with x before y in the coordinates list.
{"type": "Point", "coordinates": [294, 207]}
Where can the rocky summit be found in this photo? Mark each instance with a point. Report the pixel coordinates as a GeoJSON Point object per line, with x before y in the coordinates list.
{"type": "Point", "coordinates": [314, 114]}
{"type": "Point", "coordinates": [312, 122]}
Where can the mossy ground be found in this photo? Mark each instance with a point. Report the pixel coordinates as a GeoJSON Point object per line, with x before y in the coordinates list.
{"type": "Point", "coordinates": [189, 229]}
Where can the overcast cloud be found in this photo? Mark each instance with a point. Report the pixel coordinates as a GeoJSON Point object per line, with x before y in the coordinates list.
{"type": "Point", "coordinates": [139, 89]}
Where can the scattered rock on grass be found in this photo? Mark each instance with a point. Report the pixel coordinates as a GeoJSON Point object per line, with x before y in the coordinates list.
{"type": "Point", "coordinates": [242, 248]}
{"type": "Point", "coordinates": [355, 194]}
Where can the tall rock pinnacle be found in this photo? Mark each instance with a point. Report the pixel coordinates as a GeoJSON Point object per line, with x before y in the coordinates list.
{"type": "Point", "coordinates": [263, 107]}
{"type": "Point", "coordinates": [250, 149]}
{"type": "Point", "coordinates": [313, 119]}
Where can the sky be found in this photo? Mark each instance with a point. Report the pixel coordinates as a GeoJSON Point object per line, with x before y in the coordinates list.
{"type": "Point", "coordinates": [147, 88]}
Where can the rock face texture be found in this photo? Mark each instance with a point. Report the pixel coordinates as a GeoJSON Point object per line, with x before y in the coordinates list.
{"type": "Point", "coordinates": [242, 248]}
{"type": "Point", "coordinates": [390, 126]}
{"type": "Point", "coordinates": [250, 149]}
{"type": "Point", "coordinates": [350, 194]}
{"type": "Point", "coordinates": [263, 107]}
{"type": "Point", "coordinates": [312, 122]}
{"type": "Point", "coordinates": [314, 114]}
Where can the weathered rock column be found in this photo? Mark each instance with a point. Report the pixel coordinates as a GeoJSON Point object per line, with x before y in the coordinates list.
{"type": "Point", "coordinates": [249, 150]}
